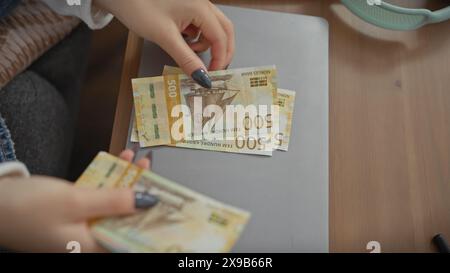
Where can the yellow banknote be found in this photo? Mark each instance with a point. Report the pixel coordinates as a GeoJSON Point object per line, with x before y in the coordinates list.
{"type": "Point", "coordinates": [134, 135]}
{"type": "Point", "coordinates": [285, 100]}
{"type": "Point", "coordinates": [160, 122]}
{"type": "Point", "coordinates": [182, 221]}
{"type": "Point", "coordinates": [242, 145]}
{"type": "Point", "coordinates": [200, 144]}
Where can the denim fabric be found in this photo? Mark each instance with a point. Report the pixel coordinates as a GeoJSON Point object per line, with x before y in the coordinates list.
{"type": "Point", "coordinates": [6, 143]}
{"type": "Point", "coordinates": [6, 6]}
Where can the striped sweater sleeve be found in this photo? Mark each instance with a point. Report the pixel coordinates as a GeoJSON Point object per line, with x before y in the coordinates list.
{"type": "Point", "coordinates": [94, 17]}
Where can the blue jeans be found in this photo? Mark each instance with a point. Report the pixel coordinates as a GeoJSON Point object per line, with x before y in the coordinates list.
{"type": "Point", "coordinates": [7, 6]}
{"type": "Point", "coordinates": [6, 144]}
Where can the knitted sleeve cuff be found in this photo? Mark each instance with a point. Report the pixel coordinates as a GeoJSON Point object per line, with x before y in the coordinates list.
{"type": "Point", "coordinates": [94, 17]}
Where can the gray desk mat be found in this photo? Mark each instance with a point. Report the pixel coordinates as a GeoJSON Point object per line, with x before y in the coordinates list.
{"type": "Point", "coordinates": [287, 194]}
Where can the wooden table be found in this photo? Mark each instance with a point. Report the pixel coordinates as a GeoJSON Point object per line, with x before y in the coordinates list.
{"type": "Point", "coordinates": [389, 127]}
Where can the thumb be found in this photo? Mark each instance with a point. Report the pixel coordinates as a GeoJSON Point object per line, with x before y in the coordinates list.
{"type": "Point", "coordinates": [175, 45]}
{"type": "Point", "coordinates": [106, 202]}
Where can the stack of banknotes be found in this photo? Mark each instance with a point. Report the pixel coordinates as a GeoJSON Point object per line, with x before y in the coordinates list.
{"type": "Point", "coordinates": [181, 221]}
{"type": "Point", "coordinates": [167, 106]}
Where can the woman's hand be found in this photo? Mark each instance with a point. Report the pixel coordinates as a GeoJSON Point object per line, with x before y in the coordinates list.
{"type": "Point", "coordinates": [43, 214]}
{"type": "Point", "coordinates": [164, 22]}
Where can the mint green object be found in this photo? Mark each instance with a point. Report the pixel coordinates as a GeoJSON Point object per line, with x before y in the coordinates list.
{"type": "Point", "coordinates": [388, 16]}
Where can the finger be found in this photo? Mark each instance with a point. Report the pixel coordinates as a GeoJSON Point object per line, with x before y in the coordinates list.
{"type": "Point", "coordinates": [147, 160]}
{"type": "Point", "coordinates": [229, 30]}
{"type": "Point", "coordinates": [91, 245]}
{"type": "Point", "coordinates": [213, 31]}
{"type": "Point", "coordinates": [174, 44]}
{"type": "Point", "coordinates": [105, 202]}
{"type": "Point", "coordinates": [127, 155]}
{"type": "Point", "coordinates": [143, 163]}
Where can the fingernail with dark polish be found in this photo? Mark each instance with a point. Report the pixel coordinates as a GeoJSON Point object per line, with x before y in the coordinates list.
{"type": "Point", "coordinates": [202, 78]}
{"type": "Point", "coordinates": [145, 200]}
